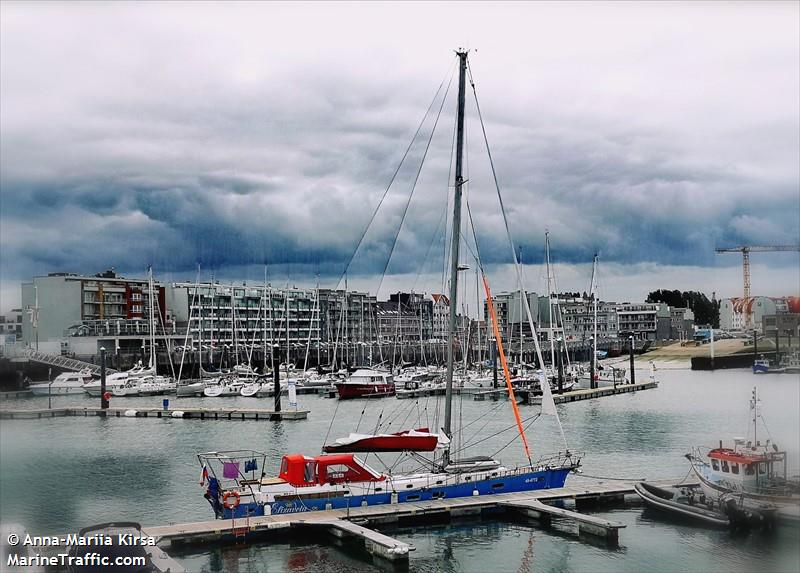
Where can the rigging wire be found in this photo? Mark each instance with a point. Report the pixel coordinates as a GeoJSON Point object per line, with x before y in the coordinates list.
{"type": "Point", "coordinates": [537, 346]}
{"type": "Point", "coordinates": [414, 186]}
{"type": "Point", "coordinates": [328, 433]}
{"type": "Point", "coordinates": [451, 70]}
{"type": "Point", "coordinates": [515, 437]}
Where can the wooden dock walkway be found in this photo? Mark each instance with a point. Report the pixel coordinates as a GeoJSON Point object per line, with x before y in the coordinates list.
{"type": "Point", "coordinates": [531, 503]}
{"type": "Point", "coordinates": [155, 412]}
{"type": "Point", "coordinates": [589, 393]}
{"type": "Point", "coordinates": [587, 524]}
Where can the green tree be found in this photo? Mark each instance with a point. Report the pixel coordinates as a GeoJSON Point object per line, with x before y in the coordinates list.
{"type": "Point", "coordinates": [705, 311]}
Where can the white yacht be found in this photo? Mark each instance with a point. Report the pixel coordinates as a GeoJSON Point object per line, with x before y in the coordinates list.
{"type": "Point", "coordinates": [118, 379]}
{"type": "Point", "coordinates": [65, 383]}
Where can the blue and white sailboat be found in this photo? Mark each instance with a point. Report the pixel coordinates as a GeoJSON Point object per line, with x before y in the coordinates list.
{"type": "Point", "coordinates": [236, 487]}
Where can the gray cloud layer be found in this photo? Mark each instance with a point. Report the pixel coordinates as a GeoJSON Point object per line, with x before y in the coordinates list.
{"type": "Point", "coordinates": [237, 134]}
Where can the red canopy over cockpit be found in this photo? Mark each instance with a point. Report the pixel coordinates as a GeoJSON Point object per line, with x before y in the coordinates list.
{"type": "Point", "coordinates": [303, 471]}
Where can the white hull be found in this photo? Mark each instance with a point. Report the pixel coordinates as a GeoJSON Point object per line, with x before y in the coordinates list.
{"type": "Point", "coordinates": [222, 391]}
{"type": "Point", "coordinates": [47, 389]}
{"type": "Point", "coordinates": [191, 390]}
{"type": "Point", "coordinates": [788, 508]}
{"type": "Point", "coordinates": [250, 390]}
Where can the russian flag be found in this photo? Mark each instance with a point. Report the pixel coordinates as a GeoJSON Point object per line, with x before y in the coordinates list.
{"type": "Point", "coordinates": [204, 476]}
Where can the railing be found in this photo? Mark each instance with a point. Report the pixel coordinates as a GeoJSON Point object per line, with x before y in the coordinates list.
{"type": "Point", "coordinates": [64, 362]}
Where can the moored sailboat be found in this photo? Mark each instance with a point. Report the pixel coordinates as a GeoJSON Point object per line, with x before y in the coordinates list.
{"type": "Point", "coordinates": [338, 479]}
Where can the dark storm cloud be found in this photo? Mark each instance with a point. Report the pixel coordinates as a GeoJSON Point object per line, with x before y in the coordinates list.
{"type": "Point", "coordinates": [191, 135]}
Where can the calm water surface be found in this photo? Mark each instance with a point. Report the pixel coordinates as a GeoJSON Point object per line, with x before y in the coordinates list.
{"type": "Point", "coordinates": [61, 474]}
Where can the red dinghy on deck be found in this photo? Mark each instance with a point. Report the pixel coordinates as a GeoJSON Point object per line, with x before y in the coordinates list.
{"type": "Point", "coordinates": [420, 440]}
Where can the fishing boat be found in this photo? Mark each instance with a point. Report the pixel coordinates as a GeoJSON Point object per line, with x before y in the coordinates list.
{"type": "Point", "coordinates": [366, 383]}
{"type": "Point", "coordinates": [753, 471]}
{"type": "Point", "coordinates": [236, 484]}
{"type": "Point", "coordinates": [64, 383]}
{"type": "Point", "coordinates": [765, 366]}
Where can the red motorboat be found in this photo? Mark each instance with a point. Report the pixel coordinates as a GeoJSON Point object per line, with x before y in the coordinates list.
{"type": "Point", "coordinates": [365, 383]}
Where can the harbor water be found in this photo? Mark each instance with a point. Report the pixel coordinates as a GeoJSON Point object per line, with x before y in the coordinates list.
{"type": "Point", "coordinates": [61, 474]}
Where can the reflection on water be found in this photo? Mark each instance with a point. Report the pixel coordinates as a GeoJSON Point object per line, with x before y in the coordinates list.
{"type": "Point", "coordinates": [61, 474]}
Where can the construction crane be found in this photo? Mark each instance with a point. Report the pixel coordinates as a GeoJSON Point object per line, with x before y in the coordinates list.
{"type": "Point", "coordinates": [746, 250]}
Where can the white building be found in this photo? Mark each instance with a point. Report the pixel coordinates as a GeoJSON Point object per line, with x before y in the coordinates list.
{"type": "Point", "coordinates": [733, 311]}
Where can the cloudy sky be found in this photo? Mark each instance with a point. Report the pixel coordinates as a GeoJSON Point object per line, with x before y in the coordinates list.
{"type": "Point", "coordinates": [234, 135]}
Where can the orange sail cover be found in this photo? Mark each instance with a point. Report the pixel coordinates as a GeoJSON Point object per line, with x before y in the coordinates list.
{"type": "Point", "coordinates": [502, 355]}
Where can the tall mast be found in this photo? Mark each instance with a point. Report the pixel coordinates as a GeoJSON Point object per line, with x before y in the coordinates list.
{"type": "Point", "coordinates": [459, 181]}
{"type": "Point", "coordinates": [550, 300]}
{"type": "Point", "coordinates": [152, 317]}
{"type": "Point", "coordinates": [521, 322]}
{"type": "Point", "coordinates": [594, 327]}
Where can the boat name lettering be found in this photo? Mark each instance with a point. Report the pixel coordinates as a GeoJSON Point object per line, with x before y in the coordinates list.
{"type": "Point", "coordinates": [289, 509]}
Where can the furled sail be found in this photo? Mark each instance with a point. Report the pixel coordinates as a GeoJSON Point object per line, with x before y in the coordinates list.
{"type": "Point", "coordinates": [420, 440]}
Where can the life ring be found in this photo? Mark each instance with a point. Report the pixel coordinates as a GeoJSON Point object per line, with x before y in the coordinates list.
{"type": "Point", "coordinates": [107, 396]}
{"type": "Point", "coordinates": [230, 504]}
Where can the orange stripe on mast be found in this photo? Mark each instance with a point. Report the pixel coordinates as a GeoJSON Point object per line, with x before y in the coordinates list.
{"type": "Point", "coordinates": [502, 354]}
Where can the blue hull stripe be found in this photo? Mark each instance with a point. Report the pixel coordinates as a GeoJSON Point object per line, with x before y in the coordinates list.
{"type": "Point", "coordinates": [548, 479]}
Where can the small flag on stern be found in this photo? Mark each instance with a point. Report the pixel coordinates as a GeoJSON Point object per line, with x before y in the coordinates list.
{"type": "Point", "coordinates": [204, 476]}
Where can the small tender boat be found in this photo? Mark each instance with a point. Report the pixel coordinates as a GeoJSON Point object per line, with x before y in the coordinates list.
{"type": "Point", "coordinates": [65, 383]}
{"type": "Point", "coordinates": [682, 503]}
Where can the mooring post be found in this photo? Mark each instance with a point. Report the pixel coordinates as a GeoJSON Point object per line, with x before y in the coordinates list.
{"type": "Point", "coordinates": [103, 400]}
{"type": "Point", "coordinates": [633, 372]}
{"type": "Point", "coordinates": [777, 337]}
{"type": "Point", "coordinates": [276, 373]}
{"type": "Point", "coordinates": [494, 365]}
{"type": "Point", "coordinates": [755, 345]}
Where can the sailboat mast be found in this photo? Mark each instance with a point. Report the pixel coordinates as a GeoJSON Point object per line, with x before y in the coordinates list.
{"type": "Point", "coordinates": [549, 300]}
{"type": "Point", "coordinates": [594, 321]}
{"type": "Point", "coordinates": [459, 181]}
{"type": "Point", "coordinates": [521, 322]}
{"type": "Point", "coordinates": [152, 318]}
